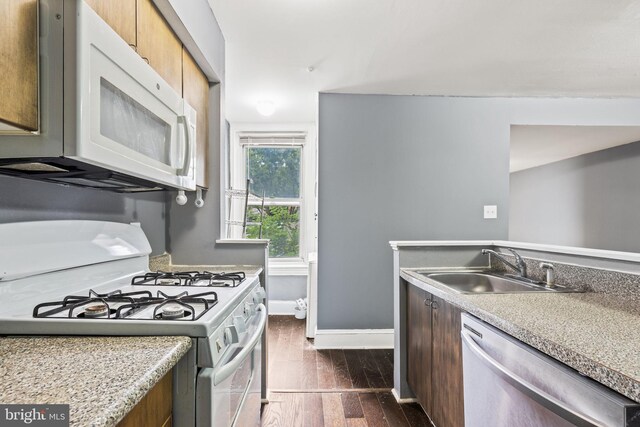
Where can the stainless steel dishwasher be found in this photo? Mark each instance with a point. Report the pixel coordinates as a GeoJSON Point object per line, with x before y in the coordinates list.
{"type": "Point", "coordinates": [509, 384]}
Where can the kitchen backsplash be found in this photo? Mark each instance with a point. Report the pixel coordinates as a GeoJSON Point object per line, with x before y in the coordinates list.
{"type": "Point", "coordinates": [580, 277]}
{"type": "Point", "coordinates": [26, 200]}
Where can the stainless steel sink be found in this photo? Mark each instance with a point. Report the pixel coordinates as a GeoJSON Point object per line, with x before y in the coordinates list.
{"type": "Point", "coordinates": [484, 283]}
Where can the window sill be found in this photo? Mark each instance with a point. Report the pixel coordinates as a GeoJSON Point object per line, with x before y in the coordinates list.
{"type": "Point", "coordinates": [291, 268]}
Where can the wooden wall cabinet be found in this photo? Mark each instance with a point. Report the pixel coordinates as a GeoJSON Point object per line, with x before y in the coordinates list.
{"type": "Point", "coordinates": [142, 26]}
{"type": "Point", "coordinates": [19, 65]}
{"type": "Point", "coordinates": [158, 44]}
{"type": "Point", "coordinates": [120, 15]}
{"type": "Point", "coordinates": [195, 88]}
{"type": "Point", "coordinates": [434, 357]}
{"type": "Point", "coordinates": [155, 409]}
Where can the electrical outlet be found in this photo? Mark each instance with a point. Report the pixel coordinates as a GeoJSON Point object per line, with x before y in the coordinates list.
{"type": "Point", "coordinates": [490, 212]}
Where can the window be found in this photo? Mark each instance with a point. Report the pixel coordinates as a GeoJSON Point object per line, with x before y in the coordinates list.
{"type": "Point", "coordinates": [275, 172]}
{"type": "Point", "coordinates": [281, 163]}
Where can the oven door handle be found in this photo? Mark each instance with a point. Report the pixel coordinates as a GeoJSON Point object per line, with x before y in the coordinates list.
{"type": "Point", "coordinates": [231, 366]}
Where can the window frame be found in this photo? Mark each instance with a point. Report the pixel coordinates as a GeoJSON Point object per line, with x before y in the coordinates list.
{"type": "Point", "coordinates": [308, 177]}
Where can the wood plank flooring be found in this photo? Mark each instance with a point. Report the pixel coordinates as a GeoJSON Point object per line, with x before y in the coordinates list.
{"type": "Point", "coordinates": [342, 388]}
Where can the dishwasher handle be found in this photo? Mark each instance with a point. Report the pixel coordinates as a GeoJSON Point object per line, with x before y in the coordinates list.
{"type": "Point", "coordinates": [231, 366]}
{"type": "Point", "coordinates": [549, 402]}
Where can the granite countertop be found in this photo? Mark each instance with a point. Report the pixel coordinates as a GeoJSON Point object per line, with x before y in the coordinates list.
{"type": "Point", "coordinates": [597, 334]}
{"type": "Point", "coordinates": [101, 378]}
{"type": "Point", "coordinates": [249, 270]}
{"type": "Point", "coordinates": [163, 263]}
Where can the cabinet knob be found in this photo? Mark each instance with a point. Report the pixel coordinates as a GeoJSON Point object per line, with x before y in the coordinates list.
{"type": "Point", "coordinates": [427, 301]}
{"type": "Point", "coordinates": [434, 305]}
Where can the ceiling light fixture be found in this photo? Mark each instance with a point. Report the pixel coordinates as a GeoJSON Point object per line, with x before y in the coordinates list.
{"type": "Point", "coordinates": [266, 108]}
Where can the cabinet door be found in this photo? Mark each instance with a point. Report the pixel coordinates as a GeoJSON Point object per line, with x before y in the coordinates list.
{"type": "Point", "coordinates": [419, 345]}
{"type": "Point", "coordinates": [447, 407]}
{"type": "Point", "coordinates": [120, 15]}
{"type": "Point", "coordinates": [195, 86]}
{"type": "Point", "coordinates": [19, 65]}
{"type": "Point", "coordinates": [158, 45]}
{"type": "Point", "coordinates": [154, 410]}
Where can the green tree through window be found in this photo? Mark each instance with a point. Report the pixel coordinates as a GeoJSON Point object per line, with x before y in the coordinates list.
{"type": "Point", "coordinates": [276, 172]}
{"type": "Point", "coordinates": [281, 224]}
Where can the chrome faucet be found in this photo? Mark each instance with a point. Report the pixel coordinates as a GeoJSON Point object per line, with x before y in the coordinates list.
{"type": "Point", "coordinates": [551, 276]}
{"type": "Point", "coordinates": [520, 266]}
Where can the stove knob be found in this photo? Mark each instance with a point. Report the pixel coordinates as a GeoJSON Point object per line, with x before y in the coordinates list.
{"type": "Point", "coordinates": [230, 335]}
{"type": "Point", "coordinates": [240, 324]}
{"type": "Point", "coordinates": [249, 309]}
{"type": "Point", "coordinates": [259, 295]}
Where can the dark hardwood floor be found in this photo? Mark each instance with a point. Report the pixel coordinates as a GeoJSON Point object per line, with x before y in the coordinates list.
{"type": "Point", "coordinates": [314, 388]}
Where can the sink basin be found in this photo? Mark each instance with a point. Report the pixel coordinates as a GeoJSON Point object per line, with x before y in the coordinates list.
{"type": "Point", "coordinates": [484, 283]}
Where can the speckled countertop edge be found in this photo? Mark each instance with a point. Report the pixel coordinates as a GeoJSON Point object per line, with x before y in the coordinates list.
{"type": "Point", "coordinates": [101, 378]}
{"type": "Point", "coordinates": [614, 357]}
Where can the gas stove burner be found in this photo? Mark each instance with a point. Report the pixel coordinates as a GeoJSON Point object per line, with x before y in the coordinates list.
{"type": "Point", "coordinates": [163, 278]}
{"type": "Point", "coordinates": [96, 310]}
{"type": "Point", "coordinates": [221, 279]}
{"type": "Point", "coordinates": [172, 311]}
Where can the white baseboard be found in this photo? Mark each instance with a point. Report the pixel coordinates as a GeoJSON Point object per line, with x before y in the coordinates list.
{"type": "Point", "coordinates": [401, 400]}
{"type": "Point", "coordinates": [282, 308]}
{"type": "Point", "coordinates": [353, 338]}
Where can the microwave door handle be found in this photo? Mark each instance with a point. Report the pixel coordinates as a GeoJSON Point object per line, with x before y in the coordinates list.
{"type": "Point", "coordinates": [549, 402]}
{"type": "Point", "coordinates": [230, 367]}
{"type": "Point", "coordinates": [188, 144]}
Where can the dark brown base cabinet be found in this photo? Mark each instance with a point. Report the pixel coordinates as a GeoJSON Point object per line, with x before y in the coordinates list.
{"type": "Point", "coordinates": [434, 357]}
{"type": "Point", "coordinates": [155, 409]}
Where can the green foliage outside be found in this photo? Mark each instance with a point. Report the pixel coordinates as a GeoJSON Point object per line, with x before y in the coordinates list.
{"type": "Point", "coordinates": [281, 224]}
{"type": "Point", "coordinates": [276, 172]}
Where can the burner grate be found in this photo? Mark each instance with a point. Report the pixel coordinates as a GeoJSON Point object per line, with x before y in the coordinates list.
{"type": "Point", "coordinates": [122, 305]}
{"type": "Point", "coordinates": [190, 278]}
{"type": "Point", "coordinates": [183, 299]}
{"type": "Point", "coordinates": [72, 302]}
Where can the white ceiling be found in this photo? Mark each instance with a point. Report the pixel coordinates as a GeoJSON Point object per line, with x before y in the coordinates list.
{"type": "Point", "coordinates": [426, 47]}
{"type": "Point", "coordinates": [533, 146]}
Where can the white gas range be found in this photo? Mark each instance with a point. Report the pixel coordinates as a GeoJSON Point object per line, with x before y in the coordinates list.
{"type": "Point", "coordinates": [92, 278]}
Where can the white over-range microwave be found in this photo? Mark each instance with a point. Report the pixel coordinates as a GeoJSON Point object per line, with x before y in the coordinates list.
{"type": "Point", "coordinates": [107, 119]}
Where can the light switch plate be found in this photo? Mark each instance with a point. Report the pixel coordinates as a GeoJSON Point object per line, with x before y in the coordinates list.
{"type": "Point", "coordinates": [490, 212]}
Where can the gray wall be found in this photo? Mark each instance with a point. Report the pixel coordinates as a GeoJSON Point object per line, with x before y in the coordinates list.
{"type": "Point", "coordinates": [413, 167]}
{"type": "Point", "coordinates": [192, 232]}
{"type": "Point", "coordinates": [27, 200]}
{"type": "Point", "coordinates": [589, 201]}
{"type": "Point", "coordinates": [399, 168]}
{"type": "Point", "coordinates": [287, 288]}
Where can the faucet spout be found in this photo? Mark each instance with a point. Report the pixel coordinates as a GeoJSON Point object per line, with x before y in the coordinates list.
{"type": "Point", "coordinates": [520, 266]}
